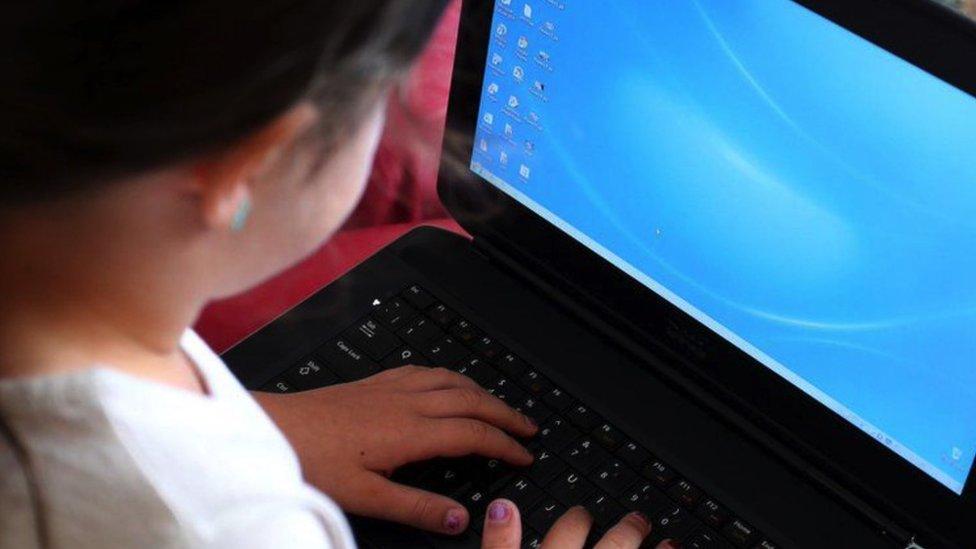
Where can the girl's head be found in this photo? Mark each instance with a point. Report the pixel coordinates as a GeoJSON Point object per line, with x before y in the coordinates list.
{"type": "Point", "coordinates": [137, 135]}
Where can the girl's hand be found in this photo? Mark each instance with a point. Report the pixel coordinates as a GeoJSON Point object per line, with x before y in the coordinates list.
{"type": "Point", "coordinates": [350, 438]}
{"type": "Point", "coordinates": [503, 530]}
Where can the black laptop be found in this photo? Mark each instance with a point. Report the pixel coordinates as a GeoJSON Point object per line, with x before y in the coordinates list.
{"type": "Point", "coordinates": [724, 252]}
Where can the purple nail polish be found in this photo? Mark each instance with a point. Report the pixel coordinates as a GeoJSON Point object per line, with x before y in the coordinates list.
{"type": "Point", "coordinates": [499, 512]}
{"type": "Point", "coordinates": [453, 520]}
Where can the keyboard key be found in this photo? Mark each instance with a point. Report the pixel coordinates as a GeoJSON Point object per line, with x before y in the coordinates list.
{"type": "Point", "coordinates": [345, 360]}
{"type": "Point", "coordinates": [713, 514]}
{"type": "Point", "coordinates": [394, 313]}
{"type": "Point", "coordinates": [311, 373]}
{"type": "Point", "coordinates": [488, 473]}
{"type": "Point", "coordinates": [661, 474]}
{"type": "Point", "coordinates": [522, 492]}
{"type": "Point", "coordinates": [686, 494]}
{"type": "Point", "coordinates": [557, 434]}
{"type": "Point", "coordinates": [505, 390]}
{"type": "Point", "coordinates": [476, 500]}
{"type": "Point", "coordinates": [466, 332]}
{"type": "Point", "coordinates": [533, 408]}
{"type": "Point", "coordinates": [570, 488]}
{"type": "Point", "coordinates": [558, 399]}
{"type": "Point", "coordinates": [545, 514]}
{"type": "Point", "coordinates": [478, 370]}
{"type": "Point", "coordinates": [583, 417]}
{"type": "Point", "coordinates": [375, 340]}
{"type": "Point", "coordinates": [706, 539]}
{"type": "Point", "coordinates": [511, 365]}
{"type": "Point", "coordinates": [546, 467]}
{"type": "Point", "coordinates": [279, 385]}
{"type": "Point", "coordinates": [633, 455]}
{"type": "Point", "coordinates": [535, 383]}
{"type": "Point", "coordinates": [404, 356]}
{"type": "Point", "coordinates": [418, 297]}
{"type": "Point", "coordinates": [489, 348]}
{"type": "Point", "coordinates": [741, 534]}
{"type": "Point", "coordinates": [673, 522]}
{"type": "Point", "coordinates": [608, 436]}
{"type": "Point", "coordinates": [441, 314]}
{"type": "Point", "coordinates": [445, 478]}
{"type": "Point", "coordinates": [445, 352]}
{"type": "Point", "coordinates": [614, 478]}
{"type": "Point", "coordinates": [419, 331]}
{"type": "Point", "coordinates": [766, 544]}
{"type": "Point", "coordinates": [604, 509]}
{"type": "Point", "coordinates": [646, 498]}
{"type": "Point", "coordinates": [585, 455]}
{"type": "Point", "coordinates": [531, 539]}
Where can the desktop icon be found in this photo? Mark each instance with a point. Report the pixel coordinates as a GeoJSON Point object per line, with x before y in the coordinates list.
{"type": "Point", "coordinates": [484, 145]}
{"type": "Point", "coordinates": [503, 158]}
{"type": "Point", "coordinates": [493, 89]}
{"type": "Point", "coordinates": [518, 73]}
{"type": "Point", "coordinates": [489, 118]}
{"type": "Point", "coordinates": [509, 131]}
{"type": "Point", "coordinates": [513, 102]}
{"type": "Point", "coordinates": [524, 171]}
{"type": "Point", "coordinates": [527, 11]}
{"type": "Point", "coordinates": [502, 30]}
{"type": "Point", "coordinates": [496, 59]}
{"type": "Point", "coordinates": [523, 42]}
{"type": "Point", "coordinates": [539, 87]}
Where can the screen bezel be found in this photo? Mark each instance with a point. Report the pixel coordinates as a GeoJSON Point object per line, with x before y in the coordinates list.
{"type": "Point", "coordinates": [921, 32]}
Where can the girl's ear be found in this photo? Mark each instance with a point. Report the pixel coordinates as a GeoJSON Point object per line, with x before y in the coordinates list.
{"type": "Point", "coordinates": [221, 181]}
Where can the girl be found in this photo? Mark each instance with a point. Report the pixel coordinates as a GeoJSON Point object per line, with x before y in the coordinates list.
{"type": "Point", "coordinates": [155, 156]}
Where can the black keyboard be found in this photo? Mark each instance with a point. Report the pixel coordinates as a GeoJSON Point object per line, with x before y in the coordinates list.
{"type": "Point", "coordinates": [580, 458]}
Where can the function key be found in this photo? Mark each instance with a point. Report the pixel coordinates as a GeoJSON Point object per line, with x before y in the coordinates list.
{"type": "Point", "coordinates": [418, 297]}
{"type": "Point", "coordinates": [713, 513]}
{"type": "Point", "coordinates": [445, 352]}
{"type": "Point", "coordinates": [419, 331]}
{"type": "Point", "coordinates": [661, 474]}
{"type": "Point", "coordinates": [685, 493]}
{"type": "Point", "coordinates": [311, 374]}
{"type": "Point", "coordinates": [488, 348]}
{"type": "Point", "coordinates": [394, 313]}
{"type": "Point", "coordinates": [374, 339]}
{"type": "Point", "coordinates": [466, 332]}
{"type": "Point", "coordinates": [633, 454]}
{"type": "Point", "coordinates": [558, 399]}
{"type": "Point", "coordinates": [535, 383]}
{"type": "Point", "coordinates": [345, 360]}
{"type": "Point", "coordinates": [511, 365]}
{"type": "Point", "coordinates": [608, 436]}
{"type": "Point", "coordinates": [404, 356]}
{"type": "Point", "coordinates": [741, 534]}
{"type": "Point", "coordinates": [583, 417]}
{"type": "Point", "coordinates": [279, 385]}
{"type": "Point", "coordinates": [441, 314]}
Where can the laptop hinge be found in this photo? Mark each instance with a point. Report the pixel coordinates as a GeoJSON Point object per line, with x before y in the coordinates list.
{"type": "Point", "coordinates": [550, 285]}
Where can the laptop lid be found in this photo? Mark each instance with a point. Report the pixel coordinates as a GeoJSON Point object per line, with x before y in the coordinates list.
{"type": "Point", "coordinates": [783, 193]}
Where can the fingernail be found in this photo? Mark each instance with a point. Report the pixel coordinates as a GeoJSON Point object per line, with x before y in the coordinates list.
{"type": "Point", "coordinates": [673, 544]}
{"type": "Point", "coordinates": [531, 422]}
{"type": "Point", "coordinates": [499, 512]}
{"type": "Point", "coordinates": [454, 520]}
{"type": "Point", "coordinates": [643, 518]}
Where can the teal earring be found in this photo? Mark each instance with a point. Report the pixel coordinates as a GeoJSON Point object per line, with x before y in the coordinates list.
{"type": "Point", "coordinates": [241, 215]}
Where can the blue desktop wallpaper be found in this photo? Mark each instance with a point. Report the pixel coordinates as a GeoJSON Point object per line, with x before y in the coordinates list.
{"type": "Point", "coordinates": [804, 189]}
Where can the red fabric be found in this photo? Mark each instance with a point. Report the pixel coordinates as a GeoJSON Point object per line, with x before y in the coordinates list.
{"type": "Point", "coordinates": [402, 193]}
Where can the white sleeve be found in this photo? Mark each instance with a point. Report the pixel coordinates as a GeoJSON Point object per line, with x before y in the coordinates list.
{"type": "Point", "coordinates": [310, 522]}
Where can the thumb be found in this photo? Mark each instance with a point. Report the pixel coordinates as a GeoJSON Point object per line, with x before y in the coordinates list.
{"type": "Point", "coordinates": [384, 499]}
{"type": "Point", "coordinates": [503, 527]}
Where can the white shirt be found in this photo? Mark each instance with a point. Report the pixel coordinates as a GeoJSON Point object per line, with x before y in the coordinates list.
{"type": "Point", "coordinates": [123, 462]}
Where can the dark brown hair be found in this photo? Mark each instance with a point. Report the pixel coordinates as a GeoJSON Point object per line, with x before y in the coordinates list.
{"type": "Point", "coordinates": [99, 89]}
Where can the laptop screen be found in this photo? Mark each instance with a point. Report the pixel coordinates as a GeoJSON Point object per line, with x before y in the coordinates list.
{"type": "Point", "coordinates": [805, 194]}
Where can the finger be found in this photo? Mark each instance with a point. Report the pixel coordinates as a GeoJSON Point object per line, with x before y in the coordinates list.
{"type": "Point", "coordinates": [434, 379]}
{"type": "Point", "coordinates": [629, 533]}
{"type": "Point", "coordinates": [459, 437]}
{"type": "Point", "coordinates": [384, 499]}
{"type": "Point", "coordinates": [669, 544]}
{"type": "Point", "coordinates": [476, 403]}
{"type": "Point", "coordinates": [503, 527]}
{"type": "Point", "coordinates": [396, 373]}
{"type": "Point", "coordinates": [570, 531]}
